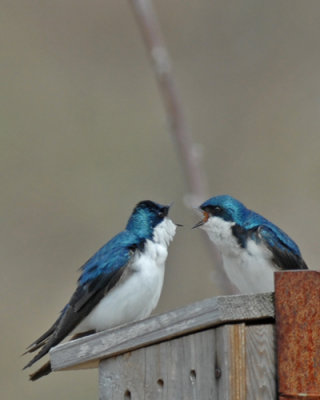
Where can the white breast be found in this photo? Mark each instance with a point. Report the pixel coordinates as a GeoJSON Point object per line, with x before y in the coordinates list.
{"type": "Point", "coordinates": [136, 296]}
{"type": "Point", "coordinates": [250, 269]}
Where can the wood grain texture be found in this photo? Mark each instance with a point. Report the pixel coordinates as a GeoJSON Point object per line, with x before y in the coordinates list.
{"type": "Point", "coordinates": [192, 318]}
{"type": "Point", "coordinates": [180, 369]}
{"type": "Point", "coordinates": [261, 362]}
{"type": "Point", "coordinates": [231, 361]}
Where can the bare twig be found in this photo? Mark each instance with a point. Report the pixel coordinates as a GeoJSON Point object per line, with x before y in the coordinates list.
{"type": "Point", "coordinates": [195, 177]}
{"type": "Point", "coordinates": [152, 35]}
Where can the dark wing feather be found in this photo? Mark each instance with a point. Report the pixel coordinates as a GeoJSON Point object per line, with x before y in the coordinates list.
{"type": "Point", "coordinates": [99, 275]}
{"type": "Point", "coordinates": [41, 340]}
{"type": "Point", "coordinates": [84, 299]}
{"type": "Point", "coordinates": [42, 371]}
{"type": "Point", "coordinates": [286, 254]}
{"type": "Point", "coordinates": [285, 260]}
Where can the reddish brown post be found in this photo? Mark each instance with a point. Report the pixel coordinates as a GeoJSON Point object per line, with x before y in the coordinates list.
{"type": "Point", "coordinates": [297, 306]}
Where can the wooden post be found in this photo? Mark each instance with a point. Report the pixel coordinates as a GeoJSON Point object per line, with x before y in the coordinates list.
{"type": "Point", "coordinates": [221, 348]}
{"type": "Point", "coordinates": [297, 302]}
{"type": "Point", "coordinates": [218, 349]}
{"type": "Point", "coordinates": [231, 362]}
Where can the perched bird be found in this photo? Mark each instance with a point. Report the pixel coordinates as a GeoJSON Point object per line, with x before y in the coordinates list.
{"type": "Point", "coordinates": [120, 283]}
{"type": "Point", "coordinates": [251, 247]}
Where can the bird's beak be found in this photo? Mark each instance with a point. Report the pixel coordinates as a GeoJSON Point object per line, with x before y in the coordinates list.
{"type": "Point", "coordinates": [205, 217]}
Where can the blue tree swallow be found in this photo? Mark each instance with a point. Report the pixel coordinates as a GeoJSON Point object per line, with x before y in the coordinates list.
{"type": "Point", "coordinates": [251, 247]}
{"type": "Point", "coordinates": [120, 283]}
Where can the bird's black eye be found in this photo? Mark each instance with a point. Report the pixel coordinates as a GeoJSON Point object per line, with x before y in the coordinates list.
{"type": "Point", "coordinates": [213, 210]}
{"type": "Point", "coordinates": [163, 212]}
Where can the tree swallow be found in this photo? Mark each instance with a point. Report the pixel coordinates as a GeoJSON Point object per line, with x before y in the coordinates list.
{"type": "Point", "coordinates": [251, 247]}
{"type": "Point", "coordinates": [120, 283]}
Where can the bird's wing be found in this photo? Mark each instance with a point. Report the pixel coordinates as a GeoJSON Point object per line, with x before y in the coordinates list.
{"type": "Point", "coordinates": [84, 299]}
{"type": "Point", "coordinates": [100, 274]}
{"type": "Point", "coordinates": [285, 253]}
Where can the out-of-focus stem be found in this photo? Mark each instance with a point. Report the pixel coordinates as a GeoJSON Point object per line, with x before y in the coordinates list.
{"type": "Point", "coordinates": [153, 38]}
{"type": "Point", "coordinates": [190, 158]}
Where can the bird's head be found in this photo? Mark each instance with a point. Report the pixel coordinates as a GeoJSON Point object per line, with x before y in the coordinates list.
{"type": "Point", "coordinates": [223, 207]}
{"type": "Point", "coordinates": [145, 217]}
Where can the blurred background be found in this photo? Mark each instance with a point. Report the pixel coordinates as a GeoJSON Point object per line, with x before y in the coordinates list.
{"type": "Point", "coordinates": [84, 138]}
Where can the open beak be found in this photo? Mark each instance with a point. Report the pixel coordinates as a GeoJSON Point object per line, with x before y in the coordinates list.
{"type": "Point", "coordinates": [203, 221]}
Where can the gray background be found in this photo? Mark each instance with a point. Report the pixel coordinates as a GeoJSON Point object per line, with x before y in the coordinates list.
{"type": "Point", "coordinates": [84, 138]}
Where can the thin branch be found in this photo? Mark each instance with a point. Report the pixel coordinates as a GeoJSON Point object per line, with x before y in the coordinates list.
{"type": "Point", "coordinates": [180, 132]}
{"type": "Point", "coordinates": [153, 38]}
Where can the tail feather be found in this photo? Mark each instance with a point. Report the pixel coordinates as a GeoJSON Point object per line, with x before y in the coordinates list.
{"type": "Point", "coordinates": [42, 339]}
{"type": "Point", "coordinates": [46, 368]}
{"type": "Point", "coordinates": [34, 347]}
{"type": "Point", "coordinates": [43, 371]}
{"type": "Point", "coordinates": [45, 349]}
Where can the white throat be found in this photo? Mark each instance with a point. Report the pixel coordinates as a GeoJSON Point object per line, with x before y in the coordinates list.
{"type": "Point", "coordinates": [220, 232]}
{"type": "Point", "coordinates": [164, 232]}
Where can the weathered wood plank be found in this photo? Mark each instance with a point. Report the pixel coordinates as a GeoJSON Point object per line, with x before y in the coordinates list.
{"type": "Point", "coordinates": [195, 317]}
{"type": "Point", "coordinates": [261, 362]}
{"type": "Point", "coordinates": [231, 361]}
{"type": "Point", "coordinates": [180, 369]}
